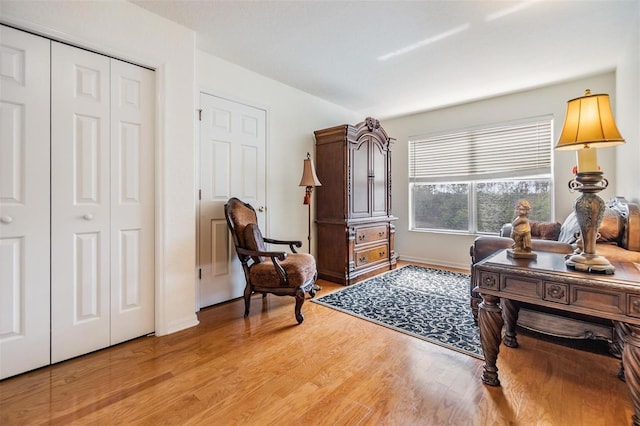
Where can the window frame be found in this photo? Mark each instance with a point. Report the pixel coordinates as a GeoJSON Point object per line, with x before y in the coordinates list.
{"type": "Point", "coordinates": [542, 173]}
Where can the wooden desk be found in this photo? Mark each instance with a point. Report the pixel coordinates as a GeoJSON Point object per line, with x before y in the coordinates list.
{"type": "Point", "coordinates": [546, 281]}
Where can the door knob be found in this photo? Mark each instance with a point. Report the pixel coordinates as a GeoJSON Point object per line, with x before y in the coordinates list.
{"type": "Point", "coordinates": [6, 219]}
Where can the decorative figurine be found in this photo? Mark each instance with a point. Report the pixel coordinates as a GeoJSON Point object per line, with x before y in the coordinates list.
{"type": "Point", "coordinates": [521, 233]}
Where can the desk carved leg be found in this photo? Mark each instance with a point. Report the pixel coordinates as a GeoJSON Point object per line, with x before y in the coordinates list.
{"type": "Point", "coordinates": [510, 309]}
{"type": "Point", "coordinates": [616, 347]}
{"type": "Point", "coordinates": [631, 362]}
{"type": "Point", "coordinates": [490, 322]}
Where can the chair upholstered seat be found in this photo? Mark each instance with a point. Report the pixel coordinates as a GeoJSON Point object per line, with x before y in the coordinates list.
{"type": "Point", "coordinates": [300, 269]}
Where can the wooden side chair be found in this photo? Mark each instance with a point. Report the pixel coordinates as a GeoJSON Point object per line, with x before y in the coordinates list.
{"type": "Point", "coordinates": [276, 272]}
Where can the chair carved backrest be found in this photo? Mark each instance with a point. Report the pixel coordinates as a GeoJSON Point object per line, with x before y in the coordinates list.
{"type": "Point", "coordinates": [239, 215]}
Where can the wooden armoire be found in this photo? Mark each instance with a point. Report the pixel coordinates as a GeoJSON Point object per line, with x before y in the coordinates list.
{"type": "Point", "coordinates": [355, 231]}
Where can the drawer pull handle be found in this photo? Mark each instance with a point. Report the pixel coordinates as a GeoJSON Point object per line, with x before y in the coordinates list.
{"type": "Point", "coordinates": [88, 216]}
{"type": "Point", "coordinates": [381, 254]}
{"type": "Point", "coordinates": [6, 219]}
{"type": "Point", "coordinates": [362, 259]}
{"type": "Point", "coordinates": [381, 234]}
{"type": "Point", "coordinates": [361, 237]}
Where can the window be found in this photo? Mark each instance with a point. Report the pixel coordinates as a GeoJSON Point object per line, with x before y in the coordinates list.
{"type": "Point", "coordinates": [470, 180]}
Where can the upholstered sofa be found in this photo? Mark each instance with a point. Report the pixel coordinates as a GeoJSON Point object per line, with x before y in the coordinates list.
{"type": "Point", "coordinates": [619, 240]}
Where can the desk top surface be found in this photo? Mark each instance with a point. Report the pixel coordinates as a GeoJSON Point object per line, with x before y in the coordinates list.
{"type": "Point", "coordinates": [554, 263]}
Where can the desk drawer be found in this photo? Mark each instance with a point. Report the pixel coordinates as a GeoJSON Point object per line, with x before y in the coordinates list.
{"type": "Point", "coordinates": [529, 287]}
{"type": "Point", "coordinates": [371, 234]}
{"type": "Point", "coordinates": [371, 255]}
{"type": "Point", "coordinates": [600, 300]}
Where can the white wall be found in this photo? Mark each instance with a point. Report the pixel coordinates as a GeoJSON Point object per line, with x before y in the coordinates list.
{"type": "Point", "coordinates": [292, 116]}
{"type": "Point", "coordinates": [453, 250]}
{"type": "Point", "coordinates": [125, 31]}
{"type": "Point", "coordinates": [628, 117]}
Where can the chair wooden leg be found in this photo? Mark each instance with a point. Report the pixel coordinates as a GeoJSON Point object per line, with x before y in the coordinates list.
{"type": "Point", "coordinates": [299, 301]}
{"type": "Point", "coordinates": [247, 300]}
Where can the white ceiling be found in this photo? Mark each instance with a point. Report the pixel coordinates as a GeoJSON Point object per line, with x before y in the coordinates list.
{"type": "Point", "coordinates": [438, 52]}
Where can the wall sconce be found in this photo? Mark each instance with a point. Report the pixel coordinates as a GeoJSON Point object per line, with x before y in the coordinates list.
{"type": "Point", "coordinates": [588, 125]}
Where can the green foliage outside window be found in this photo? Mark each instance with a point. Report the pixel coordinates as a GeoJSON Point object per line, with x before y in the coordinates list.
{"type": "Point", "coordinates": [496, 202]}
{"type": "Point", "coordinates": [441, 206]}
{"type": "Point", "coordinates": [446, 206]}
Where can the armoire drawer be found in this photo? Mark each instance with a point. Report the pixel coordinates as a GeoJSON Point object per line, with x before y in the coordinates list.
{"type": "Point", "coordinates": [371, 255]}
{"type": "Point", "coordinates": [371, 234]}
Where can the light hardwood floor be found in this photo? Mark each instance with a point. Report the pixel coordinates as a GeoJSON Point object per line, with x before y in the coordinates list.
{"type": "Point", "coordinates": [334, 369]}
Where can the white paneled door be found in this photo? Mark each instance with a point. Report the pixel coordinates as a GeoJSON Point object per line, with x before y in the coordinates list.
{"type": "Point", "coordinates": [132, 201]}
{"type": "Point", "coordinates": [102, 207]}
{"type": "Point", "coordinates": [232, 164]}
{"type": "Point", "coordinates": [80, 273]}
{"type": "Point", "coordinates": [24, 202]}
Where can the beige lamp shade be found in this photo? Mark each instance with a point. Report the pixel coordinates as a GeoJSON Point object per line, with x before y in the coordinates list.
{"type": "Point", "coordinates": [589, 123]}
{"type": "Point", "coordinates": [309, 177]}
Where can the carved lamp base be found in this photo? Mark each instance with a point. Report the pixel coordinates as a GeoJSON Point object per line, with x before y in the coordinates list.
{"type": "Point", "coordinates": [589, 210]}
{"type": "Point", "coordinates": [590, 263]}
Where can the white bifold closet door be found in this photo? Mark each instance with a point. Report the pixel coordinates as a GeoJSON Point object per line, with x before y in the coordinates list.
{"type": "Point", "coordinates": [102, 208]}
{"type": "Point", "coordinates": [76, 201]}
{"type": "Point", "coordinates": [24, 202]}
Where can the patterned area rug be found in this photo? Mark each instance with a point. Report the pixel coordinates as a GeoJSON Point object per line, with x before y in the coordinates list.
{"type": "Point", "coordinates": [426, 303]}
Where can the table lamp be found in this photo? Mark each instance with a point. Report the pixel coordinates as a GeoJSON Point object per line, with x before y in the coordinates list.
{"type": "Point", "coordinates": [588, 125]}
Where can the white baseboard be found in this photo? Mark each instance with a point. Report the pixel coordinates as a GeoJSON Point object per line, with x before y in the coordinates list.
{"type": "Point", "coordinates": [437, 262]}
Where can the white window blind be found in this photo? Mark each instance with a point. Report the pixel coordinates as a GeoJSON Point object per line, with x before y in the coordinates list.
{"type": "Point", "coordinates": [502, 151]}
